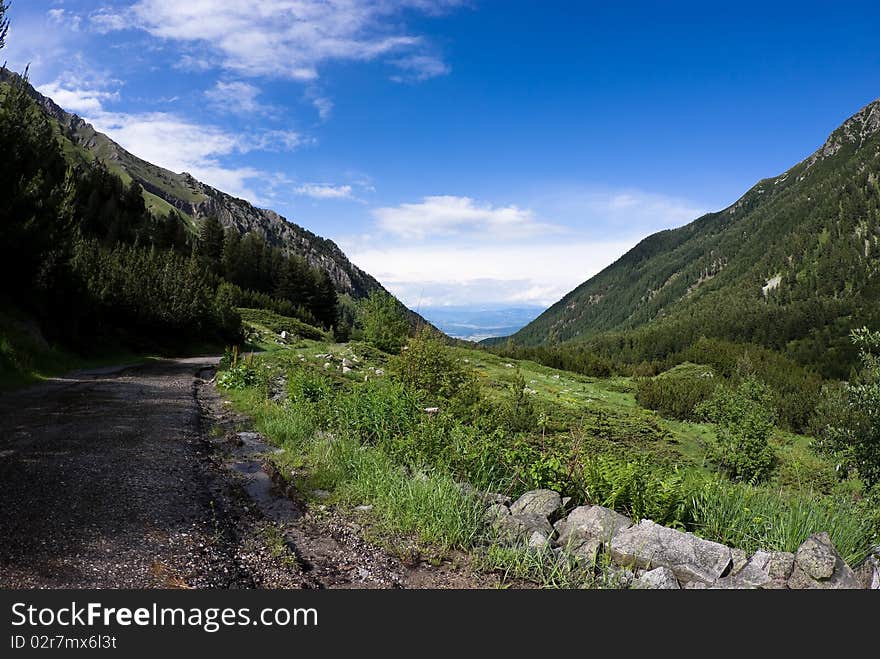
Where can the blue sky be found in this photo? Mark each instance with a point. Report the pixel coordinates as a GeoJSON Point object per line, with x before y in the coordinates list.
{"type": "Point", "coordinates": [463, 152]}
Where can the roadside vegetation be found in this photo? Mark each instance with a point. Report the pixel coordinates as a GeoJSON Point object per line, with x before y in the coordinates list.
{"type": "Point", "coordinates": [401, 432]}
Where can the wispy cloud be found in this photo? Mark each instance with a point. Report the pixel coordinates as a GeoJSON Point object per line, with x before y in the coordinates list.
{"type": "Point", "coordinates": [76, 99]}
{"type": "Point", "coordinates": [447, 215]}
{"type": "Point", "coordinates": [173, 142]}
{"type": "Point", "coordinates": [416, 68]}
{"type": "Point", "coordinates": [284, 38]}
{"type": "Point", "coordinates": [470, 275]}
{"type": "Point", "coordinates": [236, 97]}
{"type": "Point", "coordinates": [324, 191]}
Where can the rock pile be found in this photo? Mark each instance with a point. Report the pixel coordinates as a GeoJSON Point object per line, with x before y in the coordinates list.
{"type": "Point", "coordinates": [664, 558]}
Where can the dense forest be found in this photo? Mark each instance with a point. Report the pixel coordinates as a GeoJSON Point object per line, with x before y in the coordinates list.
{"type": "Point", "coordinates": [791, 267]}
{"type": "Point", "coordinates": [85, 256]}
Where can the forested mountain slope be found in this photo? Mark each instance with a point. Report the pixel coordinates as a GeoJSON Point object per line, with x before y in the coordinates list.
{"type": "Point", "coordinates": [164, 190]}
{"type": "Point", "coordinates": [791, 266]}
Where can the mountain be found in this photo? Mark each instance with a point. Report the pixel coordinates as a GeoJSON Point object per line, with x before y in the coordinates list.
{"type": "Point", "coordinates": [164, 190]}
{"type": "Point", "coordinates": [792, 265]}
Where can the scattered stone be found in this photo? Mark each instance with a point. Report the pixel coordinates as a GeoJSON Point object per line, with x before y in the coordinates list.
{"type": "Point", "coordinates": [586, 552]}
{"type": "Point", "coordinates": [521, 526]}
{"type": "Point", "coordinates": [496, 513]}
{"type": "Point", "coordinates": [431, 410]}
{"type": "Point", "coordinates": [753, 574]}
{"type": "Point", "coordinates": [347, 363]}
{"type": "Point", "coordinates": [691, 558]}
{"type": "Point", "coordinates": [780, 565]}
{"type": "Point", "coordinates": [740, 557]}
{"type": "Point", "coordinates": [380, 371]}
{"type": "Point", "coordinates": [661, 578]}
{"type": "Point", "coordinates": [321, 494]}
{"type": "Point", "coordinates": [818, 565]}
{"type": "Point", "coordinates": [538, 540]}
{"type": "Point", "coordinates": [545, 503]}
{"type": "Point", "coordinates": [327, 365]}
{"type": "Point", "coordinates": [868, 573]}
{"type": "Point", "coordinates": [284, 334]}
{"type": "Point", "coordinates": [346, 369]}
{"type": "Point", "coordinates": [586, 522]}
{"type": "Point", "coordinates": [364, 508]}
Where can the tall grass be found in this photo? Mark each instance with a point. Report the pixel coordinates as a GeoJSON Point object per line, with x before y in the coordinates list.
{"type": "Point", "coordinates": [430, 505]}
{"type": "Point", "coordinates": [754, 518]}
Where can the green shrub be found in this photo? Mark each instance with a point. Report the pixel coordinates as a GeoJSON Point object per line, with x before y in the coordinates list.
{"type": "Point", "coordinates": [377, 411]}
{"type": "Point", "coordinates": [432, 369]}
{"type": "Point", "coordinates": [850, 415]}
{"type": "Point", "coordinates": [744, 419]}
{"type": "Point", "coordinates": [677, 392]}
{"type": "Point", "coordinates": [640, 489]}
{"type": "Point", "coordinates": [384, 323]}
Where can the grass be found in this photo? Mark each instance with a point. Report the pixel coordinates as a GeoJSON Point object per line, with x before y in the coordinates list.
{"type": "Point", "coordinates": [369, 443]}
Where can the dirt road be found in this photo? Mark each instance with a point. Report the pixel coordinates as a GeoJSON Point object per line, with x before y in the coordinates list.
{"type": "Point", "coordinates": [136, 478]}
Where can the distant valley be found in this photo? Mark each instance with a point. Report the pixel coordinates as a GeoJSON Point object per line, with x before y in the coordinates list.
{"type": "Point", "coordinates": [480, 322]}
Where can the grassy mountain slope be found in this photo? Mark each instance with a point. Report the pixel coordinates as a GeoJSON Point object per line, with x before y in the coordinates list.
{"type": "Point", "coordinates": [790, 265]}
{"type": "Point", "coordinates": [164, 190]}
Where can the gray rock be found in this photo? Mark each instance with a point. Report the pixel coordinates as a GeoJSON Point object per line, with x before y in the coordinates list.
{"type": "Point", "coordinates": [591, 522]}
{"type": "Point", "coordinates": [496, 513]}
{"type": "Point", "coordinates": [650, 545]}
{"type": "Point", "coordinates": [781, 564]}
{"type": "Point", "coordinates": [521, 526]}
{"type": "Point", "coordinates": [538, 502]}
{"type": "Point", "coordinates": [321, 494]}
{"type": "Point", "coordinates": [817, 556]}
{"type": "Point", "coordinates": [539, 540]}
{"type": "Point", "coordinates": [740, 558]}
{"type": "Point", "coordinates": [586, 552]}
{"type": "Point", "coordinates": [868, 574]}
{"type": "Point", "coordinates": [365, 508]}
{"type": "Point", "coordinates": [752, 574]}
{"type": "Point", "coordinates": [661, 578]}
{"type": "Point", "coordinates": [818, 565]}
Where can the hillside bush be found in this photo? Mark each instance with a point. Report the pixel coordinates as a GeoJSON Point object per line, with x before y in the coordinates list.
{"type": "Point", "coordinates": [744, 419]}
{"type": "Point", "coordinates": [676, 393]}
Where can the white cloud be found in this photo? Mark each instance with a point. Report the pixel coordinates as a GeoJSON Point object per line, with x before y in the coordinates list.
{"type": "Point", "coordinates": [447, 215]}
{"type": "Point", "coordinates": [284, 38]}
{"type": "Point", "coordinates": [107, 20]}
{"type": "Point", "coordinates": [324, 191]}
{"type": "Point", "coordinates": [236, 97]}
{"type": "Point", "coordinates": [64, 19]}
{"type": "Point", "coordinates": [417, 68]}
{"type": "Point", "coordinates": [171, 141]}
{"type": "Point", "coordinates": [486, 274]}
{"type": "Point", "coordinates": [76, 99]}
{"type": "Point", "coordinates": [596, 209]}
{"type": "Point", "coordinates": [324, 106]}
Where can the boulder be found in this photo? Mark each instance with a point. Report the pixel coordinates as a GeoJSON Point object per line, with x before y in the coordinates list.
{"type": "Point", "coordinates": [538, 502]}
{"type": "Point", "coordinates": [649, 545]}
{"type": "Point", "coordinates": [661, 578]}
{"type": "Point", "coordinates": [781, 564]}
{"type": "Point", "coordinates": [516, 527]}
{"type": "Point", "coordinates": [818, 565]}
{"type": "Point", "coordinates": [749, 575]}
{"type": "Point", "coordinates": [868, 573]}
{"type": "Point", "coordinates": [585, 522]}
{"type": "Point", "coordinates": [495, 513]}
{"type": "Point", "coordinates": [586, 552]}
{"type": "Point", "coordinates": [539, 540]}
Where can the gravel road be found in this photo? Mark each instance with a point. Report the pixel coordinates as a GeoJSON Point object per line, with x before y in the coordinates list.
{"type": "Point", "coordinates": [132, 477]}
